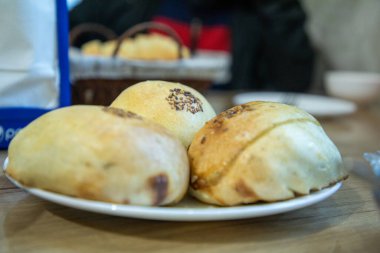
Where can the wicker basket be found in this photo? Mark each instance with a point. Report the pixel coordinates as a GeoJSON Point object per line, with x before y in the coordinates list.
{"type": "Point", "coordinates": [102, 91]}
{"type": "Point", "coordinates": [91, 29]}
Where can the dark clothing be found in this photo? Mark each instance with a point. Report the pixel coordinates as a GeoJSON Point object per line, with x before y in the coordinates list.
{"type": "Point", "coordinates": [118, 15]}
{"type": "Point", "coordinates": [271, 50]}
{"type": "Point", "coordinates": [270, 47]}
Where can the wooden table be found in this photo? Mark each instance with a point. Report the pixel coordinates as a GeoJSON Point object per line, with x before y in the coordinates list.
{"type": "Point", "coordinates": [349, 221]}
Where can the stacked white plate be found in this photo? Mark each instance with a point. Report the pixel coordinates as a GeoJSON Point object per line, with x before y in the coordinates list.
{"type": "Point", "coordinates": [316, 105]}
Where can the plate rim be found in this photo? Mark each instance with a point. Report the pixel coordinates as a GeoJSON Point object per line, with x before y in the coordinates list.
{"type": "Point", "coordinates": [352, 110]}
{"type": "Point", "coordinates": [173, 213]}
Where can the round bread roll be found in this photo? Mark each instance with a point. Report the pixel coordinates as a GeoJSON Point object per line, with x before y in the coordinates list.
{"type": "Point", "coordinates": [177, 107]}
{"type": "Point", "coordinates": [151, 46]}
{"type": "Point", "coordinates": [148, 47]}
{"type": "Point", "coordinates": [100, 153]}
{"type": "Point", "coordinates": [261, 151]}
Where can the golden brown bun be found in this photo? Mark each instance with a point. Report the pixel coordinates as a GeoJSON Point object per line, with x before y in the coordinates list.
{"type": "Point", "coordinates": [177, 107]}
{"type": "Point", "coordinates": [143, 47]}
{"type": "Point", "coordinates": [100, 153]}
{"type": "Point", "coordinates": [261, 151]}
{"type": "Point", "coordinates": [92, 47]}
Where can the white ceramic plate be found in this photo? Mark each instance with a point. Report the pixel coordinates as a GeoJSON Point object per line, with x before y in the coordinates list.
{"type": "Point", "coordinates": [187, 210]}
{"type": "Point", "coordinates": [316, 105]}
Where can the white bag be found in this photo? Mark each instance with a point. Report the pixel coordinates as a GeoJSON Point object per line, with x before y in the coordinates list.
{"type": "Point", "coordinates": [28, 68]}
{"type": "Point", "coordinates": [31, 61]}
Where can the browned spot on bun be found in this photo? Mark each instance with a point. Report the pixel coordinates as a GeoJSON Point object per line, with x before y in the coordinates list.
{"type": "Point", "coordinates": [203, 140]}
{"type": "Point", "coordinates": [248, 107]}
{"type": "Point", "coordinates": [244, 190]}
{"type": "Point", "coordinates": [207, 180]}
{"type": "Point", "coordinates": [122, 113]}
{"type": "Point", "coordinates": [345, 177]}
{"type": "Point", "coordinates": [218, 121]}
{"type": "Point", "coordinates": [88, 190]}
{"type": "Point", "coordinates": [198, 183]}
{"type": "Point", "coordinates": [108, 165]}
{"type": "Point", "coordinates": [159, 185]}
{"type": "Point", "coordinates": [232, 112]}
{"type": "Point", "coordinates": [236, 110]}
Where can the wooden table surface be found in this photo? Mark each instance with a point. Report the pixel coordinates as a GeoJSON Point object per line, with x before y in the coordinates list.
{"type": "Point", "coordinates": [349, 221]}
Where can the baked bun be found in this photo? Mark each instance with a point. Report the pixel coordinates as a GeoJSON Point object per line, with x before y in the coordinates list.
{"type": "Point", "coordinates": [177, 107]}
{"type": "Point", "coordinates": [149, 47]}
{"type": "Point", "coordinates": [261, 151]}
{"type": "Point", "coordinates": [100, 153]}
{"type": "Point", "coordinates": [92, 47]}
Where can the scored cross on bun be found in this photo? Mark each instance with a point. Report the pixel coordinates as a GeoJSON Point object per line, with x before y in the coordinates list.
{"type": "Point", "coordinates": [261, 151]}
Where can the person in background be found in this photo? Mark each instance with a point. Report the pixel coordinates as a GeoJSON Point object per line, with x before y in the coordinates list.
{"type": "Point", "coordinates": [199, 25]}
{"type": "Point", "coordinates": [271, 50]}
{"type": "Point", "coordinates": [267, 40]}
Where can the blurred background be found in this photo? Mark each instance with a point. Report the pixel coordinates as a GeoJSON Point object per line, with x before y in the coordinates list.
{"type": "Point", "coordinates": [283, 45]}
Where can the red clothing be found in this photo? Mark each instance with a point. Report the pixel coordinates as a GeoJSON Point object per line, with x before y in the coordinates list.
{"type": "Point", "coordinates": [212, 37]}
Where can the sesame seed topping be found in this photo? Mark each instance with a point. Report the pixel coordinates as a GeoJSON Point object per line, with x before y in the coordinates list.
{"type": "Point", "coordinates": [181, 100]}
